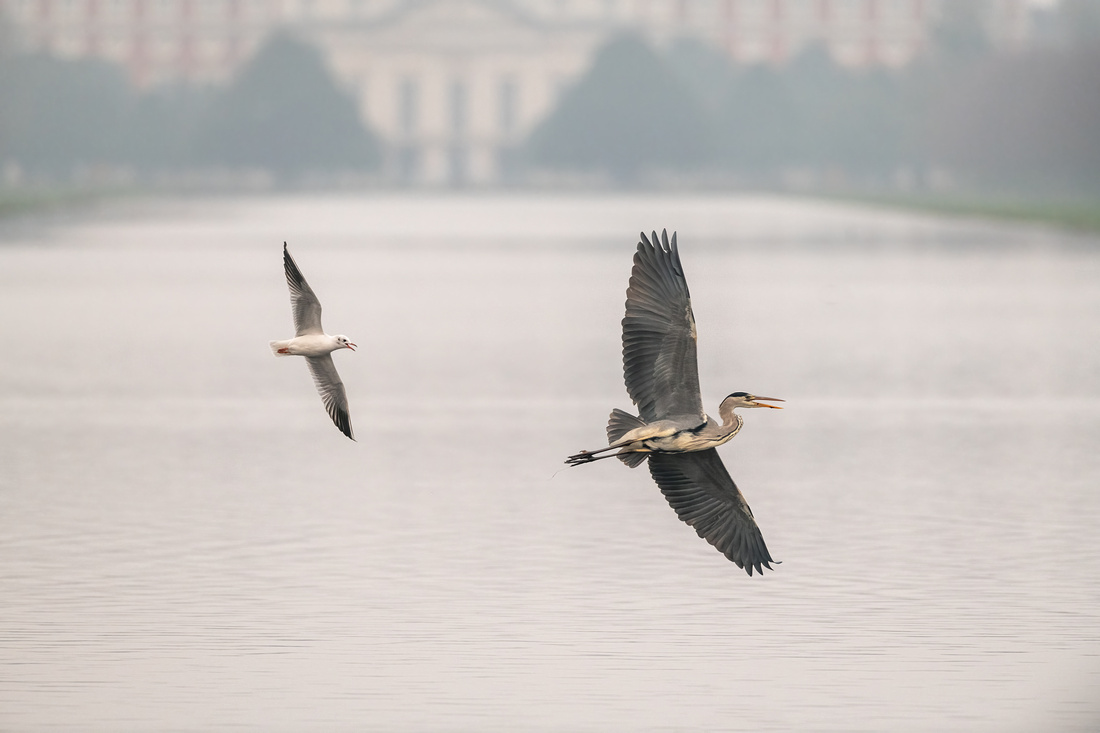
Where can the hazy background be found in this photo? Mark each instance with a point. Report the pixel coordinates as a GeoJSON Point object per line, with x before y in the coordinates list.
{"type": "Point", "coordinates": [982, 96]}
{"type": "Point", "coordinates": [187, 543]}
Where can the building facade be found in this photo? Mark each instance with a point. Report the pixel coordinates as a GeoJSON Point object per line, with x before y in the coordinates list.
{"type": "Point", "coordinates": [451, 85]}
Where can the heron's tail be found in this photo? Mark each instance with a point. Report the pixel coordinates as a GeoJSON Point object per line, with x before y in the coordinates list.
{"type": "Point", "coordinates": [619, 424]}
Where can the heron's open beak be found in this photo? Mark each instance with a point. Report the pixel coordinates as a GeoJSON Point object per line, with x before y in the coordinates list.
{"type": "Point", "coordinates": [771, 399]}
{"type": "Point", "coordinates": [352, 347]}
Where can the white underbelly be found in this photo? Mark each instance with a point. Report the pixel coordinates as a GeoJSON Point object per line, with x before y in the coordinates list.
{"type": "Point", "coordinates": [313, 344]}
{"type": "Point", "coordinates": [684, 442]}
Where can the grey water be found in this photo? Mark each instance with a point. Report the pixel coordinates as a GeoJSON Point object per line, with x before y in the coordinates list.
{"type": "Point", "coordinates": [188, 543]}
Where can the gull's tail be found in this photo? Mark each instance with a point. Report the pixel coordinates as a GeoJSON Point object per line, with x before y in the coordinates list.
{"type": "Point", "coordinates": [278, 348]}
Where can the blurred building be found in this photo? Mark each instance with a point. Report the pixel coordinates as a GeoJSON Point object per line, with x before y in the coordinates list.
{"type": "Point", "coordinates": [156, 41]}
{"type": "Point", "coordinates": [451, 85]}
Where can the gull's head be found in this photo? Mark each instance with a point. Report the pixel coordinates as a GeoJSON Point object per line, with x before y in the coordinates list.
{"type": "Point", "coordinates": [744, 399]}
{"type": "Point", "coordinates": [344, 343]}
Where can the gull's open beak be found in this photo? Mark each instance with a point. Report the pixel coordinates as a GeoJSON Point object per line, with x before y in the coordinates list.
{"type": "Point", "coordinates": [352, 347]}
{"type": "Point", "coordinates": [771, 399]}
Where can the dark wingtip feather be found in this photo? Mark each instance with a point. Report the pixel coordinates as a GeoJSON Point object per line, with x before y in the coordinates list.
{"type": "Point", "coordinates": [703, 495]}
{"type": "Point", "coordinates": [343, 422]}
{"type": "Point", "coordinates": [293, 274]}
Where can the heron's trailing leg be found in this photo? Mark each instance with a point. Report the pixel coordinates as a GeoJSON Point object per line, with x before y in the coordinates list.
{"type": "Point", "coordinates": [588, 457]}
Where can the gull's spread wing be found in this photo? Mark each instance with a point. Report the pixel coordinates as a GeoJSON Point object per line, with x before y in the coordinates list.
{"type": "Point", "coordinates": [660, 366]}
{"type": "Point", "coordinates": [306, 307]}
{"type": "Point", "coordinates": [331, 390]}
{"type": "Point", "coordinates": [701, 491]}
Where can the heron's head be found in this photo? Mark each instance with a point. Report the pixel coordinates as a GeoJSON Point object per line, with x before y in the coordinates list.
{"type": "Point", "coordinates": [744, 399]}
{"type": "Point", "coordinates": [344, 343]}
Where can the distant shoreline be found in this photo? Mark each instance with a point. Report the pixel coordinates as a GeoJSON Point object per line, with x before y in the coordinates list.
{"type": "Point", "coordinates": [17, 202]}
{"type": "Point", "coordinates": [1075, 214]}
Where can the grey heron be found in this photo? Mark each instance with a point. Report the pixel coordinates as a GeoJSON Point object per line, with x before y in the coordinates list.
{"type": "Point", "coordinates": [311, 341]}
{"type": "Point", "coordinates": [679, 439]}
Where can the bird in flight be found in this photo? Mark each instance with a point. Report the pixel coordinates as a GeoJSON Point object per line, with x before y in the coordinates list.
{"type": "Point", "coordinates": [661, 371]}
{"type": "Point", "coordinates": [311, 341]}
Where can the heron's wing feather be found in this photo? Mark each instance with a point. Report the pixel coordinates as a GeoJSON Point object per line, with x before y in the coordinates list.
{"type": "Point", "coordinates": [660, 366]}
{"type": "Point", "coordinates": [304, 303]}
{"type": "Point", "coordinates": [701, 491]}
{"type": "Point", "coordinates": [331, 390]}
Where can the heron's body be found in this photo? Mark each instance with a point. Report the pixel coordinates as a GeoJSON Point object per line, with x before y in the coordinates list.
{"type": "Point", "coordinates": [678, 436]}
{"type": "Point", "coordinates": [672, 432]}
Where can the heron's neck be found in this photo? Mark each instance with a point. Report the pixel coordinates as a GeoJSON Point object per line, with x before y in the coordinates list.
{"type": "Point", "coordinates": [730, 420]}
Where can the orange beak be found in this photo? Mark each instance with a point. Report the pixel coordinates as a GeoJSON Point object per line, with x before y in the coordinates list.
{"type": "Point", "coordinates": [770, 399]}
{"type": "Point", "coordinates": [352, 347]}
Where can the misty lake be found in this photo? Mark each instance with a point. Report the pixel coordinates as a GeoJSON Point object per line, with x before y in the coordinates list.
{"type": "Point", "coordinates": [188, 543]}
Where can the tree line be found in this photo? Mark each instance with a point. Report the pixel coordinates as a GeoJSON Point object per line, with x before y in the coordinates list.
{"type": "Point", "coordinates": [283, 113]}
{"type": "Point", "coordinates": [1009, 121]}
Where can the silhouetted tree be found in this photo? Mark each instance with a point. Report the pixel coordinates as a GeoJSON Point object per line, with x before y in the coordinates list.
{"type": "Point", "coordinates": [629, 113]}
{"type": "Point", "coordinates": [9, 39]}
{"type": "Point", "coordinates": [961, 33]}
{"type": "Point", "coordinates": [285, 113]}
{"type": "Point", "coordinates": [847, 118]}
{"type": "Point", "coordinates": [703, 69]}
{"type": "Point", "coordinates": [1023, 121]}
{"type": "Point", "coordinates": [162, 125]}
{"type": "Point", "coordinates": [1081, 19]}
{"type": "Point", "coordinates": [57, 114]}
{"type": "Point", "coordinates": [758, 121]}
{"type": "Point", "coordinates": [814, 114]}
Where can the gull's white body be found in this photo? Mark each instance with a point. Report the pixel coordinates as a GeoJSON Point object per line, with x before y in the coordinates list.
{"type": "Point", "coordinates": [312, 344]}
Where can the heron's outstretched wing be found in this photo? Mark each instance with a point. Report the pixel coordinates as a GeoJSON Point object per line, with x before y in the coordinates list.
{"type": "Point", "coordinates": [331, 390]}
{"type": "Point", "coordinates": [306, 307]}
{"type": "Point", "coordinates": [659, 359]}
{"type": "Point", "coordinates": [701, 491]}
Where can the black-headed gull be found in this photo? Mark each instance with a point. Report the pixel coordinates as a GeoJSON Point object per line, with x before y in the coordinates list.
{"type": "Point", "coordinates": [315, 345]}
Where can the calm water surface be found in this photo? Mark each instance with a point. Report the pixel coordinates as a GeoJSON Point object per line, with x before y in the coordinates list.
{"type": "Point", "coordinates": [187, 543]}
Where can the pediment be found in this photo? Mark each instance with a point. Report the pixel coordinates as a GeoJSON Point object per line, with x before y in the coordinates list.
{"type": "Point", "coordinates": [457, 15]}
